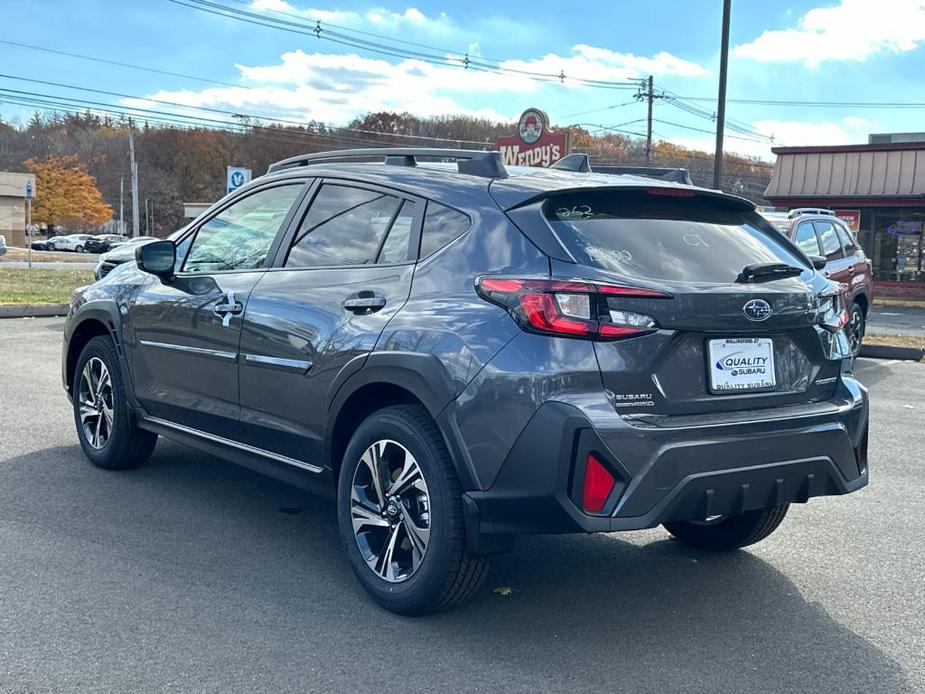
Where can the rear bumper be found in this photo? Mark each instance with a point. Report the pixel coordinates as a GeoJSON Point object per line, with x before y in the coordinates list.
{"type": "Point", "coordinates": [680, 469]}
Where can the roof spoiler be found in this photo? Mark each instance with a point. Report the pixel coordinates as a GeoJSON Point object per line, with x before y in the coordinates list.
{"type": "Point", "coordinates": [660, 173]}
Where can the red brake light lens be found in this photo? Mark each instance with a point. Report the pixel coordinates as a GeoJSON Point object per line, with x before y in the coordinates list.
{"type": "Point", "coordinates": [598, 485]}
{"type": "Point", "coordinates": [569, 308]}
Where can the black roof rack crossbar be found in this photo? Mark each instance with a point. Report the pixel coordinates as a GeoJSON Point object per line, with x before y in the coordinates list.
{"type": "Point", "coordinates": [469, 161]}
{"type": "Point", "coordinates": [578, 162]}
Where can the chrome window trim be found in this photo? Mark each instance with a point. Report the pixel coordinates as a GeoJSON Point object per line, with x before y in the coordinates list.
{"type": "Point", "coordinates": [234, 444]}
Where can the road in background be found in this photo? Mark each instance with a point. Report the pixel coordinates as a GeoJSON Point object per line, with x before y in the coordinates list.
{"type": "Point", "coordinates": [897, 320]}
{"type": "Point", "coordinates": [191, 574]}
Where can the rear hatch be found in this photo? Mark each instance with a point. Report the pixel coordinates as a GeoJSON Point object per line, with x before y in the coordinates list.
{"type": "Point", "coordinates": [737, 324]}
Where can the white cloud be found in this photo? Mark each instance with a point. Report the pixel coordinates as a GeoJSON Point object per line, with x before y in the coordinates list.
{"type": "Point", "coordinates": [335, 87]}
{"type": "Point", "coordinates": [851, 30]}
{"type": "Point", "coordinates": [593, 63]}
{"type": "Point", "coordinates": [377, 17]}
{"type": "Point", "coordinates": [853, 120]}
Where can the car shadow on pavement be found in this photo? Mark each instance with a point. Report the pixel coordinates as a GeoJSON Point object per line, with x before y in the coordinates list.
{"type": "Point", "coordinates": [222, 559]}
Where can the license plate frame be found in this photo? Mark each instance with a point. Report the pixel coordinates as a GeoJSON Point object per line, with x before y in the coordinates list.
{"type": "Point", "coordinates": [740, 365]}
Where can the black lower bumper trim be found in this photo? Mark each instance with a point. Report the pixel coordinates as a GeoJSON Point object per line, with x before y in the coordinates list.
{"type": "Point", "coordinates": [535, 491]}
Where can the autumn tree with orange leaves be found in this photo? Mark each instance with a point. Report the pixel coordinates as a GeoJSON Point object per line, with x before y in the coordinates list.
{"type": "Point", "coordinates": [66, 194]}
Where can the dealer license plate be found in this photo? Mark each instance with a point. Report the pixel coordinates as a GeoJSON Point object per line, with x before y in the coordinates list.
{"type": "Point", "coordinates": [741, 364]}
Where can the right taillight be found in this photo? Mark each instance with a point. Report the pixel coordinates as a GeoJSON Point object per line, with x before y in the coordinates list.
{"type": "Point", "coordinates": [570, 308]}
{"type": "Point", "coordinates": [833, 307]}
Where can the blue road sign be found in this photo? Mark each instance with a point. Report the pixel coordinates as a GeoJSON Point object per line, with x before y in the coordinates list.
{"type": "Point", "coordinates": [237, 177]}
{"type": "Point", "coordinates": [28, 190]}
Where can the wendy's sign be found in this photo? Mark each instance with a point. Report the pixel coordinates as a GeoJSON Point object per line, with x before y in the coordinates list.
{"type": "Point", "coordinates": [534, 144]}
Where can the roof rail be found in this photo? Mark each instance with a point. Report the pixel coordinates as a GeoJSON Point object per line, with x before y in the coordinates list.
{"type": "Point", "coordinates": [657, 172]}
{"type": "Point", "coordinates": [809, 210]}
{"type": "Point", "coordinates": [469, 161]}
{"type": "Point", "coordinates": [574, 162]}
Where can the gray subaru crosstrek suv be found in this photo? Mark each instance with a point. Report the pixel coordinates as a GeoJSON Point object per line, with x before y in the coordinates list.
{"type": "Point", "coordinates": [461, 353]}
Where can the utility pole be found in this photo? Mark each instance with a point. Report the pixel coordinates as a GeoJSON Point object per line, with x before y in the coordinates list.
{"type": "Point", "coordinates": [147, 219]}
{"type": "Point", "coordinates": [650, 97]}
{"type": "Point", "coordinates": [721, 105]}
{"type": "Point", "coordinates": [134, 172]}
{"type": "Point", "coordinates": [121, 204]}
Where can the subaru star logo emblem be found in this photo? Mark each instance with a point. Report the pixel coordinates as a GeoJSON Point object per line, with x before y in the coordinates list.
{"type": "Point", "coordinates": [757, 310]}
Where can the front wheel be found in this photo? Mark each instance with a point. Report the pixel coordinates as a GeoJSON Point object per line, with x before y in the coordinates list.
{"type": "Point", "coordinates": [79, 249]}
{"type": "Point", "coordinates": [401, 517]}
{"type": "Point", "coordinates": [723, 533]}
{"type": "Point", "coordinates": [105, 425]}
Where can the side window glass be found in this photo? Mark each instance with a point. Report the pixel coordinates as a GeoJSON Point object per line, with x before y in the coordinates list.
{"type": "Point", "coordinates": [441, 225]}
{"type": "Point", "coordinates": [806, 239]}
{"type": "Point", "coordinates": [831, 246]}
{"type": "Point", "coordinates": [239, 237]}
{"type": "Point", "coordinates": [397, 246]}
{"type": "Point", "coordinates": [847, 240]}
{"type": "Point", "coordinates": [344, 226]}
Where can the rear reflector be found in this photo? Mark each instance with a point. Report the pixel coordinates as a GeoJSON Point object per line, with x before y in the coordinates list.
{"type": "Point", "coordinates": [598, 485]}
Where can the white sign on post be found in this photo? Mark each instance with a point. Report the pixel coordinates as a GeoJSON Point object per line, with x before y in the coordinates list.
{"type": "Point", "coordinates": [237, 177]}
{"type": "Point", "coordinates": [28, 190]}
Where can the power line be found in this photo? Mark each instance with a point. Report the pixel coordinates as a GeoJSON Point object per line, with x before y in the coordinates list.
{"type": "Point", "coordinates": [207, 109]}
{"type": "Point", "coordinates": [116, 63]}
{"type": "Point", "coordinates": [446, 58]}
{"type": "Point", "coordinates": [820, 104]}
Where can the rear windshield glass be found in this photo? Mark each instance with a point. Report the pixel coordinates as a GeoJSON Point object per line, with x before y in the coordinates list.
{"type": "Point", "coordinates": [638, 234]}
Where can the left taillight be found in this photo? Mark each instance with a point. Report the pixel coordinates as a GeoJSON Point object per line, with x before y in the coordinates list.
{"type": "Point", "coordinates": [570, 308]}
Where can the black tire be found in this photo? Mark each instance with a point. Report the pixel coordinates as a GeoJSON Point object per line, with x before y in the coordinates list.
{"type": "Point", "coordinates": [730, 532]}
{"type": "Point", "coordinates": [49, 247]}
{"type": "Point", "coordinates": [79, 249]}
{"type": "Point", "coordinates": [447, 575]}
{"type": "Point", "coordinates": [126, 445]}
{"type": "Point", "coordinates": [857, 324]}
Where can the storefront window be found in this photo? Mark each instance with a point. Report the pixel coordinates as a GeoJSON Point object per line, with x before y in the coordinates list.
{"type": "Point", "coordinates": [900, 256]}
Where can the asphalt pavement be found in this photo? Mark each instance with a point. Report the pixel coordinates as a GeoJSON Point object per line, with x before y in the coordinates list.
{"type": "Point", "coordinates": [897, 320]}
{"type": "Point", "coordinates": [193, 575]}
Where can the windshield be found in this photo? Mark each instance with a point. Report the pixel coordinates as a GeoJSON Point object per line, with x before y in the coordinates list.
{"type": "Point", "coordinates": [663, 237]}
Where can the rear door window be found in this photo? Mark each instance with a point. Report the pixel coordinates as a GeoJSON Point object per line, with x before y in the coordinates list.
{"type": "Point", "coordinates": [652, 236]}
{"type": "Point", "coordinates": [828, 237]}
{"type": "Point", "coordinates": [847, 240]}
{"type": "Point", "coordinates": [348, 226]}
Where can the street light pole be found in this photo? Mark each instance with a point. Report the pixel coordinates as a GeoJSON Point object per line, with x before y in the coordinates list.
{"type": "Point", "coordinates": [721, 105]}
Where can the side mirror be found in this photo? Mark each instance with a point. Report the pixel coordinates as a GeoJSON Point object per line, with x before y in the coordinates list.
{"type": "Point", "coordinates": [157, 258]}
{"type": "Point", "coordinates": [818, 262]}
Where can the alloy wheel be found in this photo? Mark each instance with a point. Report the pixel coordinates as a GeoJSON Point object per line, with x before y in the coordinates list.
{"type": "Point", "coordinates": [856, 329]}
{"type": "Point", "coordinates": [95, 403]}
{"type": "Point", "coordinates": [390, 511]}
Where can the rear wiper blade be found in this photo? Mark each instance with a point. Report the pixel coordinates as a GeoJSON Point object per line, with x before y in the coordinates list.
{"type": "Point", "coordinates": [764, 272]}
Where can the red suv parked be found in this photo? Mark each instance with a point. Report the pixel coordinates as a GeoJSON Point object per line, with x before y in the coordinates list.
{"type": "Point", "coordinates": [819, 232]}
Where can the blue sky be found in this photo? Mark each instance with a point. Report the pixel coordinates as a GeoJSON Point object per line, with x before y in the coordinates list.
{"type": "Point", "coordinates": [852, 50]}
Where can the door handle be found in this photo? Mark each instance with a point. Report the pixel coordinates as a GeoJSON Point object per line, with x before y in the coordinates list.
{"type": "Point", "coordinates": [364, 304]}
{"type": "Point", "coordinates": [230, 307]}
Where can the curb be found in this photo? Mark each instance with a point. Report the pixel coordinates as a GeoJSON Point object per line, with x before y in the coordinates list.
{"type": "Point", "coordinates": [33, 311]}
{"type": "Point", "coordinates": [891, 352]}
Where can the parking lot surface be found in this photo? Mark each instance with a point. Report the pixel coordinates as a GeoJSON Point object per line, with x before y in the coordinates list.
{"type": "Point", "coordinates": [193, 575]}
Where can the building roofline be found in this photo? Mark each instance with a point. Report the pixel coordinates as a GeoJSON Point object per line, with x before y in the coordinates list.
{"type": "Point", "coordinates": [821, 149]}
